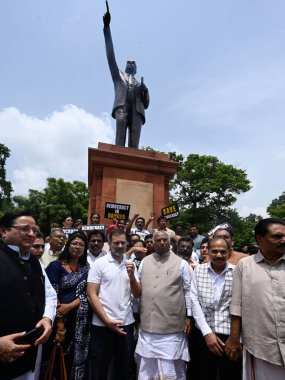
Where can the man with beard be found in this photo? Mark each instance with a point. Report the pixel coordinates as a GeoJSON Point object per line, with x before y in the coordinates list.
{"type": "Point", "coordinates": [258, 308]}
{"type": "Point", "coordinates": [162, 347]}
{"type": "Point", "coordinates": [111, 281]}
{"type": "Point", "coordinates": [95, 246]}
{"type": "Point", "coordinates": [195, 237]}
{"type": "Point", "coordinates": [185, 251]}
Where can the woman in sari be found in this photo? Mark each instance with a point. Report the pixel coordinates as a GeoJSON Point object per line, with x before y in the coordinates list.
{"type": "Point", "coordinates": [68, 275]}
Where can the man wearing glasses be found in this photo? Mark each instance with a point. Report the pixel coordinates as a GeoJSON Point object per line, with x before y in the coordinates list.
{"type": "Point", "coordinates": [27, 297]}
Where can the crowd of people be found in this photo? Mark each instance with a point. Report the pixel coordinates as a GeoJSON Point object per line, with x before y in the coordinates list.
{"type": "Point", "coordinates": [129, 302]}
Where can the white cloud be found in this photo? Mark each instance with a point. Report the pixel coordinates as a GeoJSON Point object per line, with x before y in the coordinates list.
{"type": "Point", "coordinates": [172, 147]}
{"type": "Point", "coordinates": [29, 178]}
{"type": "Point", "coordinates": [246, 210]}
{"type": "Point", "coordinates": [240, 97]}
{"type": "Point", "coordinates": [55, 146]}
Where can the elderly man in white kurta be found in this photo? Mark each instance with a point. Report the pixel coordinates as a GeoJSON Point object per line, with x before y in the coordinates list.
{"type": "Point", "coordinates": [162, 347]}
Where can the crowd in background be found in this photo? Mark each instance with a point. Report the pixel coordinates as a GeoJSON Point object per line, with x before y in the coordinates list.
{"type": "Point", "coordinates": [133, 302]}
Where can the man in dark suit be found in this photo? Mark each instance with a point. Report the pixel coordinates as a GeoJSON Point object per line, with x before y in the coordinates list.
{"type": "Point", "coordinates": [131, 96]}
{"type": "Point", "coordinates": [27, 297]}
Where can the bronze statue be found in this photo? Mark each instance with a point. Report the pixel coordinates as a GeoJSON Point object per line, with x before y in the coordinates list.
{"type": "Point", "coordinates": [131, 96]}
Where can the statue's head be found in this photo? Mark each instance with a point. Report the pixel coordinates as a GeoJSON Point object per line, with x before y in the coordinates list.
{"type": "Point", "coordinates": [131, 67]}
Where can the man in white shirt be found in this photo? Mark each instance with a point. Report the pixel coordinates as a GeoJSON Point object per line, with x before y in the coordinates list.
{"type": "Point", "coordinates": [211, 292]}
{"type": "Point", "coordinates": [95, 250]}
{"type": "Point", "coordinates": [111, 281]}
{"type": "Point", "coordinates": [139, 227]}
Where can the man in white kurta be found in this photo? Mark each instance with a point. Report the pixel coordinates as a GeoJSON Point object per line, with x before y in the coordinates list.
{"type": "Point", "coordinates": [258, 306]}
{"type": "Point", "coordinates": [162, 347]}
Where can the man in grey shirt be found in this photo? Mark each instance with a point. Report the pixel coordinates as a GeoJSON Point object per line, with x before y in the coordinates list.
{"type": "Point", "coordinates": [258, 306]}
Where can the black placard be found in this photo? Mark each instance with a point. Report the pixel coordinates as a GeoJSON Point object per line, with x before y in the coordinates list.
{"type": "Point", "coordinates": [170, 212]}
{"type": "Point", "coordinates": [119, 211]}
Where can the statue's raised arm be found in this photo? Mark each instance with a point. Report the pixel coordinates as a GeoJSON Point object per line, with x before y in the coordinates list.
{"type": "Point", "coordinates": [107, 16]}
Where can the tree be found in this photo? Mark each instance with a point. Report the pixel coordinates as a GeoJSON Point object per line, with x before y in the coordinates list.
{"type": "Point", "coordinates": [205, 188]}
{"type": "Point", "coordinates": [58, 200]}
{"type": "Point", "coordinates": [245, 231]}
{"type": "Point", "coordinates": [276, 209]}
{"type": "Point", "coordinates": [5, 186]}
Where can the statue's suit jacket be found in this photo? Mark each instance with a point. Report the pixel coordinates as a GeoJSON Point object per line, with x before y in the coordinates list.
{"type": "Point", "coordinates": [120, 81]}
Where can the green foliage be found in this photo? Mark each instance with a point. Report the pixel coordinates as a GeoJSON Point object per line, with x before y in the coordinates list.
{"type": "Point", "coordinates": [204, 181]}
{"type": "Point", "coordinates": [276, 209]}
{"type": "Point", "coordinates": [5, 186]}
{"type": "Point", "coordinates": [205, 188]}
{"type": "Point", "coordinates": [58, 200]}
{"type": "Point", "coordinates": [150, 149]}
{"type": "Point", "coordinates": [245, 231]}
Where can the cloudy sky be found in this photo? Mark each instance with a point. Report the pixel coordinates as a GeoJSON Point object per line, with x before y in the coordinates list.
{"type": "Point", "coordinates": [215, 71]}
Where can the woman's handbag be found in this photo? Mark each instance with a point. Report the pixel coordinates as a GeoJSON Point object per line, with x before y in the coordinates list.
{"type": "Point", "coordinates": [57, 352]}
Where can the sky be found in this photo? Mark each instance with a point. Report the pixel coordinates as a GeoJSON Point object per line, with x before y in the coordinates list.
{"type": "Point", "coordinates": [215, 72]}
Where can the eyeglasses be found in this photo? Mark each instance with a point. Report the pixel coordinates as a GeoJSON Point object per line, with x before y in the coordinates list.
{"type": "Point", "coordinates": [96, 241]}
{"type": "Point", "coordinates": [81, 245]}
{"type": "Point", "coordinates": [26, 229]}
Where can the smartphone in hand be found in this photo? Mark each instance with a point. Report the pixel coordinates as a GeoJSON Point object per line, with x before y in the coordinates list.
{"type": "Point", "coordinates": [30, 337]}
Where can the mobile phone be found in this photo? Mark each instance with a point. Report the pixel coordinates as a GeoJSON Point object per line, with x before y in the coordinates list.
{"type": "Point", "coordinates": [30, 337]}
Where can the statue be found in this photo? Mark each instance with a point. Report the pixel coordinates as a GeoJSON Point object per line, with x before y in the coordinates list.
{"type": "Point", "coordinates": [131, 96]}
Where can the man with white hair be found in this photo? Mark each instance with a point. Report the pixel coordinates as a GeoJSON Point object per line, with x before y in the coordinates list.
{"type": "Point", "coordinates": [162, 348]}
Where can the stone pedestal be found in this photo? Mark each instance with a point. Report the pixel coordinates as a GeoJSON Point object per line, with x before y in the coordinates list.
{"type": "Point", "coordinates": [128, 175]}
